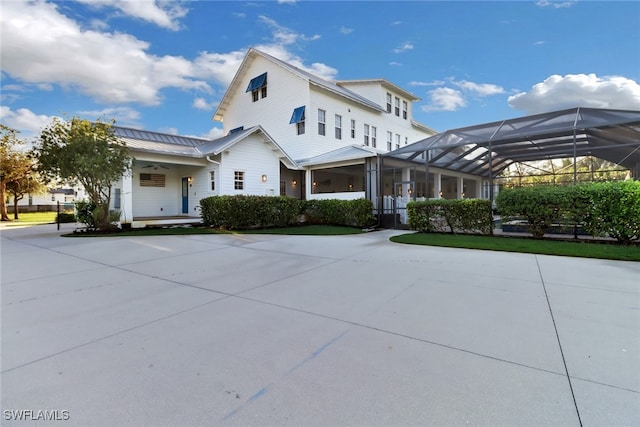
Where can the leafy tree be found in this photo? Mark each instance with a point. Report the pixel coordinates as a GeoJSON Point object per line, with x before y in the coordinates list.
{"type": "Point", "coordinates": [28, 183]}
{"type": "Point", "coordinates": [85, 152]}
{"type": "Point", "coordinates": [15, 164]}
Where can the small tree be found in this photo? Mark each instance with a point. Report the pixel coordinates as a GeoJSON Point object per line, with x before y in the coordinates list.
{"type": "Point", "coordinates": [15, 164]}
{"type": "Point", "coordinates": [86, 152]}
{"type": "Point", "coordinates": [29, 183]}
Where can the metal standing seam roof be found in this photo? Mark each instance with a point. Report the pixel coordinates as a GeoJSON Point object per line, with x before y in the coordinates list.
{"type": "Point", "coordinates": [487, 149]}
{"type": "Point", "coordinates": [351, 152]}
{"type": "Point", "coordinates": [156, 142]}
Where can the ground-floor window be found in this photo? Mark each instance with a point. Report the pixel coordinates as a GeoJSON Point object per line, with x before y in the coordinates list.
{"type": "Point", "coordinates": [338, 180]}
{"type": "Point", "coordinates": [238, 180]}
{"type": "Point", "coordinates": [212, 179]}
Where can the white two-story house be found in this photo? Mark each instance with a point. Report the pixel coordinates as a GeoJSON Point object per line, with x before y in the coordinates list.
{"type": "Point", "coordinates": [286, 132]}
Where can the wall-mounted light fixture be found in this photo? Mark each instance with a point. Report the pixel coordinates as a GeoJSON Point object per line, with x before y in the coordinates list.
{"type": "Point", "coordinates": [190, 179]}
{"type": "Point", "coordinates": [294, 182]}
{"type": "Point", "coordinates": [264, 178]}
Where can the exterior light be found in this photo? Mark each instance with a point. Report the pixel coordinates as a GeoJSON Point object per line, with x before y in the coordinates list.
{"type": "Point", "coordinates": [294, 182]}
{"type": "Point", "coordinates": [264, 178]}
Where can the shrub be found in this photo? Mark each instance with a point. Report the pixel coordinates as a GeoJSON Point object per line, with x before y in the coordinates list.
{"type": "Point", "coordinates": [91, 215]}
{"type": "Point", "coordinates": [540, 206]}
{"type": "Point", "coordinates": [455, 216]}
{"type": "Point", "coordinates": [65, 217]}
{"type": "Point", "coordinates": [614, 210]}
{"type": "Point", "coordinates": [602, 209]}
{"type": "Point", "coordinates": [244, 212]}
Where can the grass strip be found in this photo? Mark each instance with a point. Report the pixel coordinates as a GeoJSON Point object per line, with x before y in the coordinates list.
{"type": "Point", "coordinates": [582, 249]}
{"type": "Point", "coordinates": [308, 230]}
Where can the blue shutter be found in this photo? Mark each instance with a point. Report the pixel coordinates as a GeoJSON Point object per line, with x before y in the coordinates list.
{"type": "Point", "coordinates": [297, 116]}
{"type": "Point", "coordinates": [257, 82]}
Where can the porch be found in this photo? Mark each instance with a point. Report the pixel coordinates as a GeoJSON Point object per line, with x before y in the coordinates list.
{"type": "Point", "coordinates": [165, 221]}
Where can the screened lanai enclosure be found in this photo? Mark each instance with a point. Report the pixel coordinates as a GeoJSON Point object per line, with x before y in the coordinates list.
{"type": "Point", "coordinates": [470, 162]}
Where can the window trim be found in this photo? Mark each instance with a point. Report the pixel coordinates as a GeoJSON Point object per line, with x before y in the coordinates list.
{"type": "Point", "coordinates": [212, 179]}
{"type": "Point", "coordinates": [322, 122]}
{"type": "Point", "coordinates": [238, 180]}
{"type": "Point", "coordinates": [405, 108]}
{"type": "Point", "coordinates": [338, 126]}
{"type": "Point", "coordinates": [366, 134]}
{"type": "Point", "coordinates": [353, 128]}
{"type": "Point", "coordinates": [397, 106]}
{"type": "Point", "coordinates": [389, 99]}
{"type": "Point", "coordinates": [389, 140]}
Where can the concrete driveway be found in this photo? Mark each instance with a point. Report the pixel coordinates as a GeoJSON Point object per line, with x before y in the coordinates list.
{"type": "Point", "coordinates": [327, 331]}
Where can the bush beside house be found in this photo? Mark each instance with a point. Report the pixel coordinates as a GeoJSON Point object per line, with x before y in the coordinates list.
{"type": "Point", "coordinates": [610, 209]}
{"type": "Point", "coordinates": [453, 216]}
{"type": "Point", "coordinates": [246, 212]}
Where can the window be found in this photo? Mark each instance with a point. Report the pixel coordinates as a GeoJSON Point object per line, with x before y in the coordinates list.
{"type": "Point", "coordinates": [388, 102]}
{"type": "Point", "coordinates": [53, 197]}
{"type": "Point", "coordinates": [212, 178]}
{"type": "Point", "coordinates": [298, 118]}
{"type": "Point", "coordinates": [258, 87]}
{"type": "Point", "coordinates": [238, 180]}
{"type": "Point", "coordinates": [404, 110]}
{"type": "Point", "coordinates": [117, 201]}
{"type": "Point", "coordinates": [152, 180]}
{"type": "Point", "coordinates": [321, 122]}
{"type": "Point", "coordinates": [397, 141]}
{"type": "Point", "coordinates": [353, 128]}
{"type": "Point", "coordinates": [374, 136]}
{"type": "Point", "coordinates": [397, 109]}
{"type": "Point", "coordinates": [338, 126]}
{"type": "Point", "coordinates": [389, 140]}
{"type": "Point", "coordinates": [366, 134]}
{"type": "Point", "coordinates": [406, 140]}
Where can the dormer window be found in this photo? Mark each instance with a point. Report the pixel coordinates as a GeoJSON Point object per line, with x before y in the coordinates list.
{"type": "Point", "coordinates": [258, 87]}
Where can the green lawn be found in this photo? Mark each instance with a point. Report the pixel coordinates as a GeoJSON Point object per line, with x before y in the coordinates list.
{"type": "Point", "coordinates": [33, 218]}
{"type": "Point", "coordinates": [582, 249]}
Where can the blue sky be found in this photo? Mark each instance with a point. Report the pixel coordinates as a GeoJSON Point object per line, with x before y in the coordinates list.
{"type": "Point", "coordinates": [164, 66]}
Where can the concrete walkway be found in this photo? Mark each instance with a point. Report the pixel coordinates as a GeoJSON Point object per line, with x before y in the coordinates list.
{"type": "Point", "coordinates": [327, 331]}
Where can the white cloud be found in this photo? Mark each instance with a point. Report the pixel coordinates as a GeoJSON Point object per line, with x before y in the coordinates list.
{"type": "Point", "coordinates": [433, 83]}
{"type": "Point", "coordinates": [24, 120]}
{"type": "Point", "coordinates": [555, 4]}
{"type": "Point", "coordinates": [284, 35]}
{"type": "Point", "coordinates": [124, 116]}
{"type": "Point", "coordinates": [203, 104]}
{"type": "Point", "coordinates": [41, 46]}
{"type": "Point", "coordinates": [287, 1]}
{"type": "Point", "coordinates": [162, 13]}
{"type": "Point", "coordinates": [578, 90]}
{"type": "Point", "coordinates": [346, 30]}
{"type": "Point", "coordinates": [403, 47]}
{"type": "Point", "coordinates": [395, 64]}
{"type": "Point", "coordinates": [444, 99]}
{"type": "Point", "coordinates": [214, 133]}
{"type": "Point", "coordinates": [479, 89]}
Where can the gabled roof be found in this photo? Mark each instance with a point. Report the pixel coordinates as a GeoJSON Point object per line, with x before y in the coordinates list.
{"type": "Point", "coordinates": [311, 78]}
{"type": "Point", "coordinates": [162, 143]}
{"type": "Point", "coordinates": [382, 82]}
{"type": "Point", "coordinates": [350, 152]}
{"type": "Point", "coordinates": [489, 148]}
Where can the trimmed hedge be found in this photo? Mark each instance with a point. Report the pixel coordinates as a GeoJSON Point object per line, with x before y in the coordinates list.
{"type": "Point", "coordinates": [601, 209]}
{"type": "Point", "coordinates": [249, 212]}
{"type": "Point", "coordinates": [456, 216]}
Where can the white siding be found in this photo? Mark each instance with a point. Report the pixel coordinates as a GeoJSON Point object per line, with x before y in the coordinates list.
{"type": "Point", "coordinates": [285, 92]}
{"type": "Point", "coordinates": [255, 158]}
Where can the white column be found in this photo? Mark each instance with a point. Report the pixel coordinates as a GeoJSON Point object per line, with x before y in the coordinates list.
{"type": "Point", "coordinates": [460, 187]}
{"type": "Point", "coordinates": [126, 214]}
{"type": "Point", "coordinates": [437, 185]}
{"type": "Point", "coordinates": [406, 176]}
{"type": "Point", "coordinates": [308, 184]}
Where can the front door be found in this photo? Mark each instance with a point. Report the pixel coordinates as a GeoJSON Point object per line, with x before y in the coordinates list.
{"type": "Point", "coordinates": [185, 195]}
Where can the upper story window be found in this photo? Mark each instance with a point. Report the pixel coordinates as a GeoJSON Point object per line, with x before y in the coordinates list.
{"type": "Point", "coordinates": [366, 134]}
{"type": "Point", "coordinates": [321, 122]}
{"type": "Point", "coordinates": [388, 102]}
{"type": "Point", "coordinates": [238, 180]}
{"type": "Point", "coordinates": [397, 106]}
{"type": "Point", "coordinates": [389, 140]}
{"type": "Point", "coordinates": [338, 126]}
{"type": "Point", "coordinates": [374, 136]}
{"type": "Point", "coordinates": [397, 141]}
{"type": "Point", "coordinates": [404, 110]}
{"type": "Point", "coordinates": [258, 87]}
{"type": "Point", "coordinates": [298, 118]}
{"type": "Point", "coordinates": [353, 128]}
{"type": "Point", "coordinates": [406, 140]}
